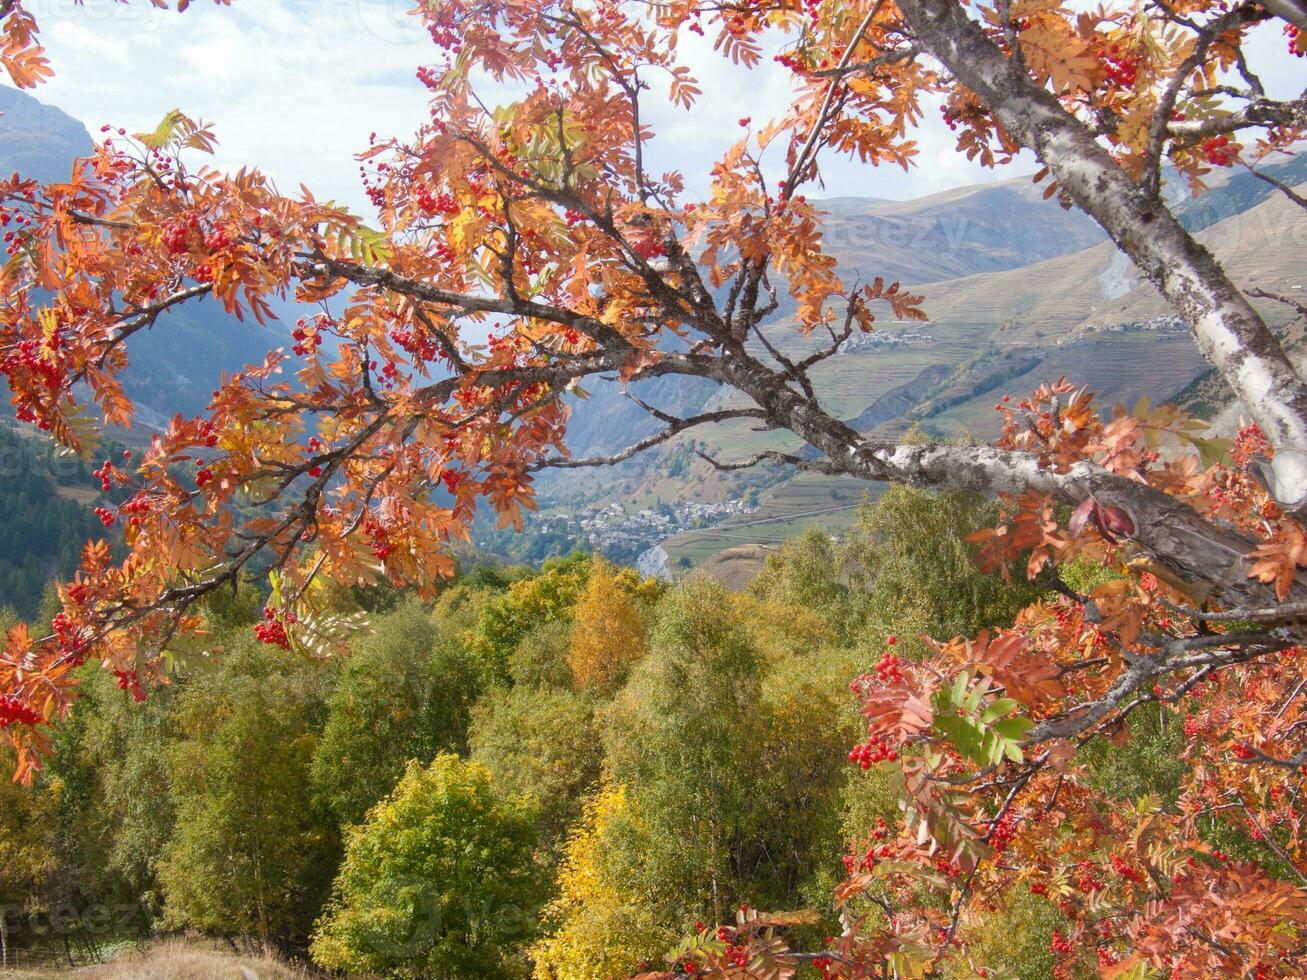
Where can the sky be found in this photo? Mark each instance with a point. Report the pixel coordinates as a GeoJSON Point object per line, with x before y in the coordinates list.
{"type": "Point", "coordinates": [295, 87]}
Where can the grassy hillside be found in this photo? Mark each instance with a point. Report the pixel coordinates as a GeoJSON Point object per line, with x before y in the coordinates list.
{"type": "Point", "coordinates": [175, 960]}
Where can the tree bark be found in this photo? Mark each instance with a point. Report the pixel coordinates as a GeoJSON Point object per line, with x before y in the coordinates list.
{"type": "Point", "coordinates": [1212, 558]}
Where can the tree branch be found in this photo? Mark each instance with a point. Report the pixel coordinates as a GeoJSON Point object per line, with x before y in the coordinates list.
{"type": "Point", "coordinates": [1229, 332]}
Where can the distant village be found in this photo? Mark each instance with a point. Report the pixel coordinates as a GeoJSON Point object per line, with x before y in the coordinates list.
{"type": "Point", "coordinates": [1156, 324]}
{"type": "Point", "coordinates": [623, 536]}
{"type": "Point", "coordinates": [889, 338]}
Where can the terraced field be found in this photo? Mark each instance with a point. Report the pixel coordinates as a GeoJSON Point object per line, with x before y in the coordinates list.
{"type": "Point", "coordinates": [808, 500]}
{"type": "Point", "coordinates": [1118, 367]}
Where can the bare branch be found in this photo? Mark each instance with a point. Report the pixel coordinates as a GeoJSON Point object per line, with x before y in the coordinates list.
{"type": "Point", "coordinates": [1282, 187]}
{"type": "Point", "coordinates": [676, 427]}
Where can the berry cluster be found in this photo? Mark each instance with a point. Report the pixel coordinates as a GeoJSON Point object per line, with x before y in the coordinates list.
{"type": "Point", "coordinates": [1060, 946]}
{"type": "Point", "coordinates": [428, 77]}
{"type": "Point", "coordinates": [179, 237]}
{"type": "Point", "coordinates": [875, 749]}
{"type": "Point", "coordinates": [442, 203]}
{"type": "Point", "coordinates": [1002, 831]}
{"type": "Point", "coordinates": [378, 538]}
{"type": "Point", "coordinates": [389, 372]}
{"type": "Point", "coordinates": [106, 516]}
{"type": "Point", "coordinates": [39, 358]}
{"type": "Point", "coordinates": [1219, 151]}
{"type": "Point", "coordinates": [422, 347]}
{"type": "Point", "coordinates": [1243, 751]}
{"type": "Point", "coordinates": [1123, 868]}
{"type": "Point", "coordinates": [1248, 443]}
{"type": "Point", "coordinates": [272, 630]}
{"type": "Point", "coordinates": [16, 712]}
{"type": "Point", "coordinates": [136, 508]}
{"type": "Point", "coordinates": [947, 868]}
{"type": "Point", "coordinates": [1120, 69]}
{"type": "Point", "coordinates": [793, 62]}
{"type": "Point", "coordinates": [446, 37]}
{"type": "Point", "coordinates": [975, 117]}
{"type": "Point", "coordinates": [207, 433]}
{"type": "Point", "coordinates": [308, 334]}
{"type": "Point", "coordinates": [105, 475]}
{"type": "Point", "coordinates": [1297, 40]}
{"type": "Point", "coordinates": [69, 637]}
{"type": "Point", "coordinates": [129, 681]}
{"type": "Point", "coordinates": [1086, 877]}
{"type": "Point", "coordinates": [14, 239]}
{"type": "Point", "coordinates": [887, 668]}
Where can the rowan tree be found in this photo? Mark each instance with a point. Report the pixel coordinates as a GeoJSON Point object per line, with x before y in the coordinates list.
{"type": "Point", "coordinates": [540, 219]}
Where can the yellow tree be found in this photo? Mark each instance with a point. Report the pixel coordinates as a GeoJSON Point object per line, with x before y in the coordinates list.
{"type": "Point", "coordinates": [600, 928]}
{"type": "Point", "coordinates": [608, 630]}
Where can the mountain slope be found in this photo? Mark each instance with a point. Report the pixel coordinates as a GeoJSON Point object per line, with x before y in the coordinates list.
{"type": "Point", "coordinates": [979, 228]}
{"type": "Point", "coordinates": [1097, 286]}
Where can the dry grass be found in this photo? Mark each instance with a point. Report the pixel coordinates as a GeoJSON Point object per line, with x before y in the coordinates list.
{"type": "Point", "coordinates": [178, 960]}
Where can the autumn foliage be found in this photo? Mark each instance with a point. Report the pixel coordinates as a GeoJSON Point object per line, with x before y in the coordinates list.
{"type": "Point", "coordinates": [608, 634]}
{"type": "Point", "coordinates": [360, 455]}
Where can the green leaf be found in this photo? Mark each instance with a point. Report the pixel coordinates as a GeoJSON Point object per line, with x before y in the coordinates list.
{"type": "Point", "coordinates": [999, 708]}
{"type": "Point", "coordinates": [1013, 728]}
{"type": "Point", "coordinates": [163, 132]}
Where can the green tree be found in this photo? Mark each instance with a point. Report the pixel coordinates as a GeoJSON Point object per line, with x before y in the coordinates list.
{"type": "Point", "coordinates": [806, 573]}
{"type": "Point", "coordinates": [809, 722]}
{"type": "Point", "coordinates": [405, 693]}
{"type": "Point", "coordinates": [28, 858]}
{"type": "Point", "coordinates": [119, 789]}
{"type": "Point", "coordinates": [540, 659]}
{"type": "Point", "coordinates": [439, 881]}
{"type": "Point", "coordinates": [541, 743]}
{"type": "Point", "coordinates": [682, 736]}
{"type": "Point", "coordinates": [916, 573]}
{"type": "Point", "coordinates": [527, 604]}
{"type": "Point", "coordinates": [248, 854]}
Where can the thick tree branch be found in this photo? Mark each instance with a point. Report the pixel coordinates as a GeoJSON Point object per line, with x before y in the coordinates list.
{"type": "Point", "coordinates": [1229, 332]}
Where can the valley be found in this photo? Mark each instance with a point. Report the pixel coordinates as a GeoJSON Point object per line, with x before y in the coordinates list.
{"type": "Point", "coordinates": [1075, 308]}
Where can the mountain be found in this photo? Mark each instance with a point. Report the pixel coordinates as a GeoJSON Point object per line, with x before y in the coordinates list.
{"type": "Point", "coordinates": [38, 140]}
{"type": "Point", "coordinates": [959, 232]}
{"type": "Point", "coordinates": [1036, 294]}
{"type": "Point", "coordinates": [967, 230]}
